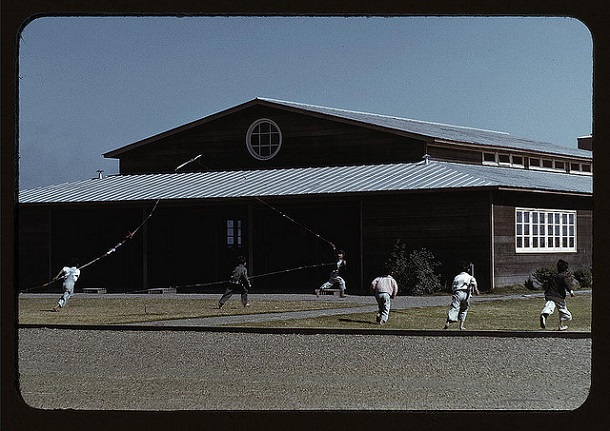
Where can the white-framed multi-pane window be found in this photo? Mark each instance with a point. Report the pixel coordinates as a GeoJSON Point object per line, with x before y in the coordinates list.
{"type": "Point", "coordinates": [503, 159]}
{"type": "Point", "coordinates": [544, 164]}
{"type": "Point", "coordinates": [234, 233]}
{"type": "Point", "coordinates": [545, 230]}
{"type": "Point", "coordinates": [581, 168]}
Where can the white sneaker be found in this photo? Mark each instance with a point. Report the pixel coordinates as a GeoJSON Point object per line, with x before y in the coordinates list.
{"type": "Point", "coordinates": [563, 327]}
{"type": "Point", "coordinates": [542, 321]}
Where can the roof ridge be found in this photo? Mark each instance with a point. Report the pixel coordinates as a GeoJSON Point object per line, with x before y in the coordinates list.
{"type": "Point", "coordinates": [380, 115]}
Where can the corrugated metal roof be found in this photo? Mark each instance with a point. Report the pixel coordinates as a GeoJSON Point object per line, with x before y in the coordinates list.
{"type": "Point", "coordinates": [304, 181]}
{"type": "Point", "coordinates": [441, 131]}
{"type": "Point", "coordinates": [434, 131]}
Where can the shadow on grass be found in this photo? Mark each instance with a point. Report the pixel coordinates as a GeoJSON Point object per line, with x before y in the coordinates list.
{"type": "Point", "coordinates": [411, 311]}
{"type": "Point", "coordinates": [367, 322]}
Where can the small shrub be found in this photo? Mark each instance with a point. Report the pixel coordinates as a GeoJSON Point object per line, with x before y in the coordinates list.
{"type": "Point", "coordinates": [399, 263]}
{"type": "Point", "coordinates": [529, 284]}
{"type": "Point", "coordinates": [415, 272]}
{"type": "Point", "coordinates": [584, 276]}
{"type": "Point", "coordinates": [425, 278]}
{"type": "Point", "coordinates": [543, 275]}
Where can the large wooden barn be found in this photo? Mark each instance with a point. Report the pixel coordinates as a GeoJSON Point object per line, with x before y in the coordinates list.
{"type": "Point", "coordinates": [277, 181]}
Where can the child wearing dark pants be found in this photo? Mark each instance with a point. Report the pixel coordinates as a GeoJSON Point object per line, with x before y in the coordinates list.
{"type": "Point", "coordinates": [237, 283]}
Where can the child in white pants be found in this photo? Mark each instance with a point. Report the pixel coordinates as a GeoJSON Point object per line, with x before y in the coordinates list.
{"type": "Point", "coordinates": [70, 274]}
{"type": "Point", "coordinates": [555, 294]}
{"type": "Point", "coordinates": [549, 307]}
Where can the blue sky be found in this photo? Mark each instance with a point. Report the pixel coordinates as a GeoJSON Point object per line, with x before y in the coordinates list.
{"type": "Point", "coordinates": [90, 85]}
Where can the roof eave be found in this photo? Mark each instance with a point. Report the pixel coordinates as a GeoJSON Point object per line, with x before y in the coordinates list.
{"type": "Point", "coordinates": [115, 153]}
{"type": "Point", "coordinates": [257, 101]}
{"type": "Point", "coordinates": [544, 191]}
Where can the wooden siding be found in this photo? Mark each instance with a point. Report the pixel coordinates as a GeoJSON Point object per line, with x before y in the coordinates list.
{"type": "Point", "coordinates": [51, 236]}
{"type": "Point", "coordinates": [34, 247]}
{"type": "Point", "coordinates": [514, 268]}
{"type": "Point", "coordinates": [454, 154]}
{"type": "Point", "coordinates": [453, 226]}
{"type": "Point", "coordinates": [86, 233]}
{"type": "Point", "coordinates": [185, 243]}
{"type": "Point", "coordinates": [307, 141]}
{"type": "Point", "coordinates": [280, 244]}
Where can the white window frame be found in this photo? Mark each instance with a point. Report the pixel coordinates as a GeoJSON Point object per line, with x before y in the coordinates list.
{"type": "Point", "coordinates": [505, 155]}
{"type": "Point", "coordinates": [515, 164]}
{"type": "Point", "coordinates": [580, 170]}
{"type": "Point", "coordinates": [234, 238]}
{"type": "Point", "coordinates": [545, 230]}
{"type": "Point", "coordinates": [489, 162]}
{"type": "Point", "coordinates": [511, 163]}
{"type": "Point", "coordinates": [264, 139]}
{"type": "Point", "coordinates": [553, 167]}
{"type": "Point", "coordinates": [589, 172]}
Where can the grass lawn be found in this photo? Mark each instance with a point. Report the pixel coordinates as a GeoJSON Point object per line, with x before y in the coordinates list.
{"type": "Point", "coordinates": [515, 314]}
{"type": "Point", "coordinates": [111, 311]}
{"type": "Point", "coordinates": [521, 314]}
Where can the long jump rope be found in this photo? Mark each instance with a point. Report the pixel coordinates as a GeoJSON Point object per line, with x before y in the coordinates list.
{"type": "Point", "coordinates": [131, 234]}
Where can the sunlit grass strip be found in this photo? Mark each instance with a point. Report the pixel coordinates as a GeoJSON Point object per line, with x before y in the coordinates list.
{"type": "Point", "coordinates": [107, 311]}
{"type": "Point", "coordinates": [521, 314]}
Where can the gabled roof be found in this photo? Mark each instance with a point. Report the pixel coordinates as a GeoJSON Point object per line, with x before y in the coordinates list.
{"type": "Point", "coordinates": [414, 128]}
{"type": "Point", "coordinates": [438, 131]}
{"type": "Point", "coordinates": [318, 181]}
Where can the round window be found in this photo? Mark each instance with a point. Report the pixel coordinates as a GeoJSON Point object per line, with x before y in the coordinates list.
{"type": "Point", "coordinates": [263, 139]}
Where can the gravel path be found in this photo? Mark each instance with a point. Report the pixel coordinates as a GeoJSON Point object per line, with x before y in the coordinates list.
{"type": "Point", "coordinates": [206, 370]}
{"type": "Point", "coordinates": [366, 305]}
